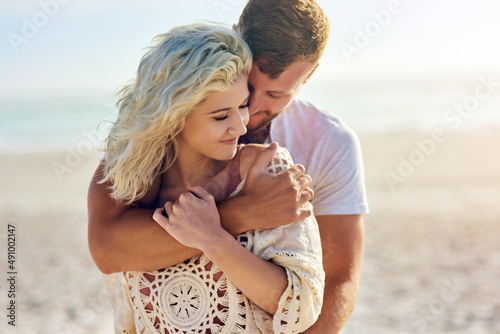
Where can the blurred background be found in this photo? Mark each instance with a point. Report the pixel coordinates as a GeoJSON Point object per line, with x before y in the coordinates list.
{"type": "Point", "coordinates": [419, 81]}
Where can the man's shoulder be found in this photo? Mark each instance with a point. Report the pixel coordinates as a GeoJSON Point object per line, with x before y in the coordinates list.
{"type": "Point", "coordinates": [308, 121]}
{"type": "Point", "coordinates": [306, 108]}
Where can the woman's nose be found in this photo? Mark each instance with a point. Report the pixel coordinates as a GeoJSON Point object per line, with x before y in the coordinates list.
{"type": "Point", "coordinates": [240, 121]}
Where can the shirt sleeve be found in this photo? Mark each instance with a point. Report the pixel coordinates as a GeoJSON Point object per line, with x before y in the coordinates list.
{"type": "Point", "coordinates": [297, 248]}
{"type": "Point", "coordinates": [340, 185]}
{"type": "Point", "coordinates": [117, 290]}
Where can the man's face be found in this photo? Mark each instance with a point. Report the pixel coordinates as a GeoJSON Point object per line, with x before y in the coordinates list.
{"type": "Point", "coordinates": [269, 97]}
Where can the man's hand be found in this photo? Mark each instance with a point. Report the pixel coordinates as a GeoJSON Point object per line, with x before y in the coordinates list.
{"type": "Point", "coordinates": [126, 238]}
{"type": "Point", "coordinates": [268, 200]}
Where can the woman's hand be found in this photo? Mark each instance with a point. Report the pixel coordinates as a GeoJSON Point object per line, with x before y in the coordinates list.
{"type": "Point", "coordinates": [193, 220]}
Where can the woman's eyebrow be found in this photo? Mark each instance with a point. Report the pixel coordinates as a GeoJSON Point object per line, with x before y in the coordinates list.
{"type": "Point", "coordinates": [228, 108]}
{"type": "Point", "coordinates": [219, 110]}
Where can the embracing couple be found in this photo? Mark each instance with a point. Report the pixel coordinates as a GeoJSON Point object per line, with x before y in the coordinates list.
{"type": "Point", "coordinates": [200, 221]}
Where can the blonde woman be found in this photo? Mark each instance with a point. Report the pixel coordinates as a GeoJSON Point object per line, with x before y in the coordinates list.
{"type": "Point", "coordinates": [175, 146]}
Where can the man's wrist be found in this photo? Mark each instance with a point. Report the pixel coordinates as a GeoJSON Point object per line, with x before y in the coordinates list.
{"type": "Point", "coordinates": [230, 214]}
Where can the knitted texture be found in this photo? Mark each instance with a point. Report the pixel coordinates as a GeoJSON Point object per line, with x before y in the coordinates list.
{"type": "Point", "coordinates": [196, 297]}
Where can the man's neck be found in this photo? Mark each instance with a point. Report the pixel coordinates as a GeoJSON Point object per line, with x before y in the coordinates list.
{"type": "Point", "coordinates": [256, 137]}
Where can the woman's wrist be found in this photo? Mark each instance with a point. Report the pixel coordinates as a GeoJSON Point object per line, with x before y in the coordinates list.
{"type": "Point", "coordinates": [221, 245]}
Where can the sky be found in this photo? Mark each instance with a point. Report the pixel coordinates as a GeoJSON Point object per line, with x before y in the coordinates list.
{"type": "Point", "coordinates": [70, 49]}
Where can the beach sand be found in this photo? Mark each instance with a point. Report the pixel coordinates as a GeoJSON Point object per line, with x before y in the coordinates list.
{"type": "Point", "coordinates": [432, 250]}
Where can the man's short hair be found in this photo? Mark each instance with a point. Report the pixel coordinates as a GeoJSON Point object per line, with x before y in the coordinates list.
{"type": "Point", "coordinates": [281, 32]}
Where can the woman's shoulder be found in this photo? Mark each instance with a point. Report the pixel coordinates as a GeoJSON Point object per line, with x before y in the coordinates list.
{"type": "Point", "coordinates": [249, 153]}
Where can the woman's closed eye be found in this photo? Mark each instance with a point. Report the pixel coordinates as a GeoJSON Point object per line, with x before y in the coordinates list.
{"type": "Point", "coordinates": [244, 106]}
{"type": "Point", "coordinates": [221, 118]}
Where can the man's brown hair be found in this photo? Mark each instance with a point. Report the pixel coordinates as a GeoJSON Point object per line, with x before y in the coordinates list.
{"type": "Point", "coordinates": [281, 32]}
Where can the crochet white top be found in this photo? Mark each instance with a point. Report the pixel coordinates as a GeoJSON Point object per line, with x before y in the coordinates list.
{"type": "Point", "coordinates": [196, 297]}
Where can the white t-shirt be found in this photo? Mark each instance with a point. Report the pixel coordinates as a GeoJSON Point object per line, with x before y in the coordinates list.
{"type": "Point", "coordinates": [331, 153]}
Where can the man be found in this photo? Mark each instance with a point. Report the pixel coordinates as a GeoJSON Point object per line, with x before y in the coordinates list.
{"type": "Point", "coordinates": [287, 38]}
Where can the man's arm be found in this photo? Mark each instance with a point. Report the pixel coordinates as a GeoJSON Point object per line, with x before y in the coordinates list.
{"type": "Point", "coordinates": [126, 238]}
{"type": "Point", "coordinates": [342, 241]}
{"type": "Point", "coordinates": [194, 221]}
{"type": "Point", "coordinates": [267, 200]}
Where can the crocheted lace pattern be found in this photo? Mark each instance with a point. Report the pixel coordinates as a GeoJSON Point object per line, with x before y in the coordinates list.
{"type": "Point", "coordinates": [190, 297]}
{"type": "Point", "coordinates": [195, 296]}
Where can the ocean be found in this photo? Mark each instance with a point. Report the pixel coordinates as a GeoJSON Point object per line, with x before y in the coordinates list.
{"type": "Point", "coordinates": [38, 125]}
{"type": "Point", "coordinates": [420, 104]}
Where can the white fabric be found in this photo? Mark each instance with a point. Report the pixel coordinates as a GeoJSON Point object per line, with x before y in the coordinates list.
{"type": "Point", "coordinates": [118, 293]}
{"type": "Point", "coordinates": [196, 297]}
{"type": "Point", "coordinates": [331, 153]}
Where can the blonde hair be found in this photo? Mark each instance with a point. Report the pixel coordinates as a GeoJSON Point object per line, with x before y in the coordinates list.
{"type": "Point", "coordinates": [177, 73]}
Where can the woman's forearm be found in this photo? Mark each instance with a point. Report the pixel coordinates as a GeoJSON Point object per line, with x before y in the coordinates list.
{"type": "Point", "coordinates": [260, 281]}
{"type": "Point", "coordinates": [194, 221]}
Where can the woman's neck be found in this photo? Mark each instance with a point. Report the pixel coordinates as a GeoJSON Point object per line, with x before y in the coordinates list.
{"type": "Point", "coordinates": [195, 170]}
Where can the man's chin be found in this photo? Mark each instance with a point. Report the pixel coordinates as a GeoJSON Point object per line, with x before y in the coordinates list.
{"type": "Point", "coordinates": [258, 128]}
{"type": "Point", "coordinates": [263, 125]}
{"type": "Point", "coordinates": [258, 134]}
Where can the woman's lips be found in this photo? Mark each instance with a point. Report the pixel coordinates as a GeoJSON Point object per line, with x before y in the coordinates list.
{"type": "Point", "coordinates": [231, 141]}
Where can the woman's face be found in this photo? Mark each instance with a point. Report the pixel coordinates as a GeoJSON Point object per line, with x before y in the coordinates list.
{"type": "Point", "coordinates": [214, 127]}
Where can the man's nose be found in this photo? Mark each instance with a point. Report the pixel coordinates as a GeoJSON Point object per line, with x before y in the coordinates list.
{"type": "Point", "coordinates": [254, 104]}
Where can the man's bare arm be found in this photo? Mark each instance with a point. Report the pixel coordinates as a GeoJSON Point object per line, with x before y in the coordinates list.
{"type": "Point", "coordinates": [342, 241]}
{"type": "Point", "coordinates": [126, 238]}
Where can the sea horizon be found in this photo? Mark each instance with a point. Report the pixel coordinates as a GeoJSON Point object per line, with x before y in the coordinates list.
{"type": "Point", "coordinates": [369, 107]}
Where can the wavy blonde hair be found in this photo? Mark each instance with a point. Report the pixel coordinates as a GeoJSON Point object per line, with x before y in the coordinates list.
{"type": "Point", "coordinates": [175, 76]}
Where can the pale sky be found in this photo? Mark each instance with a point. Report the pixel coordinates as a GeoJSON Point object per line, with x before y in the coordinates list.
{"type": "Point", "coordinates": [87, 48]}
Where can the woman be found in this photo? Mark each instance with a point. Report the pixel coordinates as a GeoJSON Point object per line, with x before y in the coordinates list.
{"type": "Point", "coordinates": [178, 130]}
